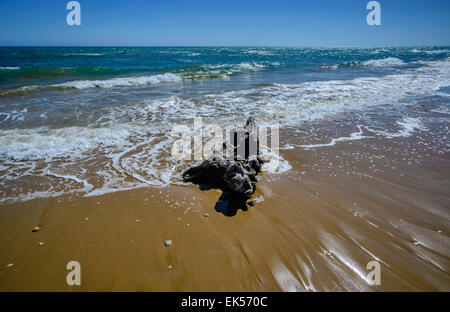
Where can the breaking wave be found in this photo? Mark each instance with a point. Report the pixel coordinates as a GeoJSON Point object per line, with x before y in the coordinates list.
{"type": "Point", "coordinates": [115, 82]}
{"type": "Point", "coordinates": [201, 73]}
{"type": "Point", "coordinates": [9, 67]}
{"type": "Point", "coordinates": [106, 83]}
{"type": "Point", "coordinates": [390, 62]}
{"type": "Point", "coordinates": [386, 62]}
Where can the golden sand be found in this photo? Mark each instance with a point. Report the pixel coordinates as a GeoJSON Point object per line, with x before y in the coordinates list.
{"type": "Point", "coordinates": [314, 228]}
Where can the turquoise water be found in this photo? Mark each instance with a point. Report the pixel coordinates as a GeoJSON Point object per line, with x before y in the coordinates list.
{"type": "Point", "coordinates": [101, 118]}
{"type": "Point", "coordinates": [36, 66]}
{"type": "Point", "coordinates": [56, 82]}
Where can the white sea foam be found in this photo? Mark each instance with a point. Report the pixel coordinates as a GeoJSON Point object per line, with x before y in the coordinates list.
{"type": "Point", "coordinates": [353, 136]}
{"type": "Point", "coordinates": [408, 126]}
{"type": "Point", "coordinates": [430, 52]}
{"type": "Point", "coordinates": [250, 66]}
{"type": "Point", "coordinates": [329, 67]}
{"type": "Point", "coordinates": [106, 83]}
{"type": "Point", "coordinates": [240, 67]}
{"type": "Point", "coordinates": [442, 110]}
{"type": "Point", "coordinates": [386, 62]}
{"type": "Point", "coordinates": [291, 103]}
{"type": "Point", "coordinates": [225, 71]}
{"type": "Point", "coordinates": [131, 144]}
{"type": "Point", "coordinates": [378, 63]}
{"type": "Point", "coordinates": [9, 67]}
{"type": "Point", "coordinates": [14, 115]}
{"type": "Point", "coordinates": [84, 54]}
{"type": "Point", "coordinates": [120, 81]}
{"type": "Point", "coordinates": [437, 51]}
{"type": "Point", "coordinates": [44, 143]}
{"type": "Point", "coordinates": [259, 52]}
{"type": "Point", "coordinates": [86, 185]}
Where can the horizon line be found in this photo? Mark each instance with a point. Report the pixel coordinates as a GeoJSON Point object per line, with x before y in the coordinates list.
{"type": "Point", "coordinates": [215, 46]}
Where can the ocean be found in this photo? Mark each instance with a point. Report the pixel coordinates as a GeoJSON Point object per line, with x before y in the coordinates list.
{"type": "Point", "coordinates": [89, 121]}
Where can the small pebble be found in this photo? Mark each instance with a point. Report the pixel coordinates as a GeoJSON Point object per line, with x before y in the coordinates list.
{"type": "Point", "coordinates": [206, 214]}
{"type": "Point", "coordinates": [87, 219]}
{"type": "Point", "coordinates": [137, 220]}
{"type": "Point", "coordinates": [316, 193]}
{"type": "Point", "coordinates": [9, 265]}
{"type": "Point", "coordinates": [187, 224]}
{"type": "Point", "coordinates": [35, 229]}
{"type": "Point", "coordinates": [40, 243]}
{"type": "Point", "coordinates": [169, 266]}
{"type": "Point", "coordinates": [168, 242]}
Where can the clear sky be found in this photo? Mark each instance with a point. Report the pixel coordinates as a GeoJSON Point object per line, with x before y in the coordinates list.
{"type": "Point", "coordinates": [225, 22]}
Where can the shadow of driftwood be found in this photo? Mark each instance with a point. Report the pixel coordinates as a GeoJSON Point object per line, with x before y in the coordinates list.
{"type": "Point", "coordinates": [229, 203]}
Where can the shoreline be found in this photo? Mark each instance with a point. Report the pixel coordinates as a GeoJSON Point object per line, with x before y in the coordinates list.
{"type": "Point", "coordinates": [313, 228]}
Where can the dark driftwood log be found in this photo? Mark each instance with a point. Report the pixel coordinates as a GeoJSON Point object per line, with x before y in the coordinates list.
{"type": "Point", "coordinates": [236, 175]}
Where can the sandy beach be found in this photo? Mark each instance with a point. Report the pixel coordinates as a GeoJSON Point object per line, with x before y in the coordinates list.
{"type": "Point", "coordinates": [312, 229]}
{"type": "Point", "coordinates": [196, 150]}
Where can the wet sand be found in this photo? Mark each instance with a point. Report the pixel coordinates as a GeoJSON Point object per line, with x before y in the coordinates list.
{"type": "Point", "coordinates": [314, 228]}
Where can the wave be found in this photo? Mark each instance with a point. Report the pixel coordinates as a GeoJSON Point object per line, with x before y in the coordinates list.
{"type": "Point", "coordinates": [293, 103]}
{"type": "Point", "coordinates": [386, 62]}
{"type": "Point", "coordinates": [252, 66]}
{"type": "Point", "coordinates": [329, 67]}
{"type": "Point", "coordinates": [225, 71]}
{"type": "Point", "coordinates": [106, 83]}
{"type": "Point", "coordinates": [430, 52]}
{"type": "Point", "coordinates": [27, 73]}
{"type": "Point", "coordinates": [120, 81]}
{"type": "Point", "coordinates": [9, 67]}
{"type": "Point", "coordinates": [202, 72]}
{"type": "Point", "coordinates": [288, 103]}
{"type": "Point", "coordinates": [183, 53]}
{"type": "Point", "coordinates": [132, 147]}
{"type": "Point", "coordinates": [239, 67]}
{"type": "Point", "coordinates": [126, 157]}
{"type": "Point", "coordinates": [389, 62]}
{"type": "Point", "coordinates": [44, 143]}
{"type": "Point", "coordinates": [259, 52]}
{"type": "Point", "coordinates": [83, 54]}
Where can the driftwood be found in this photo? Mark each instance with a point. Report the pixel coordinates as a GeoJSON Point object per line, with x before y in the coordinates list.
{"type": "Point", "coordinates": [235, 175]}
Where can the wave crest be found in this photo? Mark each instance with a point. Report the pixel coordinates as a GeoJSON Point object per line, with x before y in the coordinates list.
{"type": "Point", "coordinates": [386, 62]}
{"type": "Point", "coordinates": [120, 81]}
{"type": "Point", "coordinates": [106, 83]}
{"type": "Point", "coordinates": [9, 67]}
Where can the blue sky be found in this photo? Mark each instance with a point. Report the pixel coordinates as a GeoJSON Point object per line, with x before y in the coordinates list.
{"type": "Point", "coordinates": [225, 22]}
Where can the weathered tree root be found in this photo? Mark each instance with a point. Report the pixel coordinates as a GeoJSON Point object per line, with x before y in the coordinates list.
{"type": "Point", "coordinates": [236, 175]}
